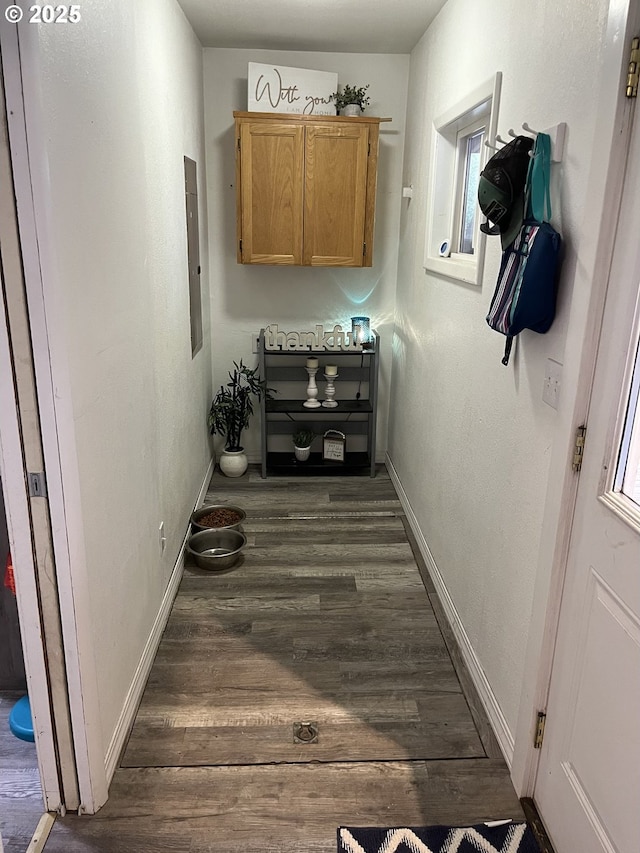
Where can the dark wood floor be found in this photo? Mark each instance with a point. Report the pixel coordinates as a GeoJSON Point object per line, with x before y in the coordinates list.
{"type": "Point", "coordinates": [21, 803]}
{"type": "Point", "coordinates": [327, 620]}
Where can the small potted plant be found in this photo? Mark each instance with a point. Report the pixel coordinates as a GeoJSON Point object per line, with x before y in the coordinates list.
{"type": "Point", "coordinates": [352, 100]}
{"type": "Point", "coordinates": [230, 413]}
{"type": "Point", "coordinates": [302, 441]}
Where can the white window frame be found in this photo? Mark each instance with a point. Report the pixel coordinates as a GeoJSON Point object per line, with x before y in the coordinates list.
{"type": "Point", "coordinates": [479, 108]}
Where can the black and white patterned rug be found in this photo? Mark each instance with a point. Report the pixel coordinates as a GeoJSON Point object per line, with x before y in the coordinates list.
{"type": "Point", "coordinates": [502, 838]}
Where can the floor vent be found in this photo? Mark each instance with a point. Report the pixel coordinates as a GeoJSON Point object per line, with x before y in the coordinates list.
{"type": "Point", "coordinates": [305, 732]}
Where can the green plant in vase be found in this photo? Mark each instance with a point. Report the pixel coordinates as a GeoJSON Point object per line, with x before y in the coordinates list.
{"type": "Point", "coordinates": [351, 96]}
{"type": "Point", "coordinates": [231, 411]}
{"type": "Point", "coordinates": [302, 441]}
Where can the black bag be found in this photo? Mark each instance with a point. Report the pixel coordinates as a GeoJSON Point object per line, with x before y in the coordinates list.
{"type": "Point", "coordinates": [525, 294]}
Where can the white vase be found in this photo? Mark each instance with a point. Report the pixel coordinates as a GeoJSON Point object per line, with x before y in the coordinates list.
{"type": "Point", "coordinates": [233, 463]}
{"type": "Point", "coordinates": [351, 110]}
{"type": "Point", "coordinates": [302, 453]}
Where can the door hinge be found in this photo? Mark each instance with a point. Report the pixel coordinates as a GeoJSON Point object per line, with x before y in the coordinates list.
{"type": "Point", "coordinates": [364, 249]}
{"type": "Point", "coordinates": [240, 246]}
{"type": "Point", "coordinates": [37, 485]}
{"type": "Point", "coordinates": [238, 143]}
{"type": "Point", "coordinates": [578, 450]}
{"type": "Point", "coordinates": [539, 734]}
{"type": "Point", "coordinates": [634, 68]}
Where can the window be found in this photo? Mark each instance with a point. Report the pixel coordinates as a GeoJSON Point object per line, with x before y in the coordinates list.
{"type": "Point", "coordinates": [628, 469]}
{"type": "Point", "coordinates": [470, 152]}
{"type": "Point", "coordinates": [454, 244]}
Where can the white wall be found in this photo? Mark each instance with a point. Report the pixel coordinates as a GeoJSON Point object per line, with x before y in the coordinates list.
{"type": "Point", "coordinates": [122, 103]}
{"type": "Point", "coordinates": [470, 439]}
{"type": "Point", "coordinates": [245, 298]}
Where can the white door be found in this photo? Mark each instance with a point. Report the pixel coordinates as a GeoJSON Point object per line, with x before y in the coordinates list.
{"type": "Point", "coordinates": [588, 785]}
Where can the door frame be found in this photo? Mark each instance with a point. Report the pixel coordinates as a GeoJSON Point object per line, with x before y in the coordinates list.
{"type": "Point", "coordinates": [27, 514]}
{"type": "Point", "coordinates": [19, 526]}
{"type": "Point", "coordinates": [19, 55]}
{"type": "Point", "coordinates": [605, 181]}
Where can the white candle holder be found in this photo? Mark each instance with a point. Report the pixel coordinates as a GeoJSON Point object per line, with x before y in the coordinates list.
{"type": "Point", "coordinates": [330, 391]}
{"type": "Point", "coordinates": [312, 390]}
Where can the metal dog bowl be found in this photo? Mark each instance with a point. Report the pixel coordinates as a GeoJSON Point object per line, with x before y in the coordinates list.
{"type": "Point", "coordinates": [216, 550]}
{"type": "Point", "coordinates": [205, 510]}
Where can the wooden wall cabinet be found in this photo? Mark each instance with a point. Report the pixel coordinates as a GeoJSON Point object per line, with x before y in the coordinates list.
{"type": "Point", "coordinates": [305, 189]}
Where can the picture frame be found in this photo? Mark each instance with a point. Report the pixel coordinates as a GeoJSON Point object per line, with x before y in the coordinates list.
{"type": "Point", "coordinates": [333, 446]}
{"type": "Point", "coordinates": [282, 89]}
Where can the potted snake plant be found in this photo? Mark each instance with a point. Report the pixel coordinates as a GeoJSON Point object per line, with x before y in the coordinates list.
{"type": "Point", "coordinates": [231, 411]}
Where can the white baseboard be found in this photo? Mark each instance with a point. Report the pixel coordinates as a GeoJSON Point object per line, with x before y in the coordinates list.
{"type": "Point", "coordinates": [487, 696]}
{"type": "Point", "coordinates": [136, 689]}
{"type": "Point", "coordinates": [204, 488]}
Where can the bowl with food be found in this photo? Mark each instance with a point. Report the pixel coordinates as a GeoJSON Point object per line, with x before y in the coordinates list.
{"type": "Point", "coordinates": [218, 517]}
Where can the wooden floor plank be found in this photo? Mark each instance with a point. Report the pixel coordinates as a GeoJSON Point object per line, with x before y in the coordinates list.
{"type": "Point", "coordinates": [283, 808]}
{"type": "Point", "coordinates": [155, 745]}
{"type": "Point", "coordinates": [386, 567]}
{"type": "Point", "coordinates": [228, 708]}
{"type": "Point", "coordinates": [336, 552]}
{"type": "Point", "coordinates": [368, 528]}
{"type": "Point", "coordinates": [356, 537]}
{"type": "Point", "coordinates": [347, 677]}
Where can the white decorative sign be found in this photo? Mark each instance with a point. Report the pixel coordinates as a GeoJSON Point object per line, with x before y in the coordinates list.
{"type": "Point", "coordinates": [333, 444]}
{"type": "Point", "coordinates": [278, 89]}
{"type": "Point", "coordinates": [319, 341]}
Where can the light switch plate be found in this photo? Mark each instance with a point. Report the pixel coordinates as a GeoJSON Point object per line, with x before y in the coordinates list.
{"type": "Point", "coordinates": [552, 380]}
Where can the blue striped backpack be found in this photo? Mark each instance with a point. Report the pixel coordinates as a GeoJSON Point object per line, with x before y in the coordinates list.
{"type": "Point", "coordinates": [525, 294]}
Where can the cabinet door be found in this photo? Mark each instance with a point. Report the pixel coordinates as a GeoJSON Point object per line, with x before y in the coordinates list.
{"type": "Point", "coordinates": [271, 162]}
{"type": "Point", "coordinates": [335, 194]}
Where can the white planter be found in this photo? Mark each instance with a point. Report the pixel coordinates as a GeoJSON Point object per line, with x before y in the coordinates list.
{"type": "Point", "coordinates": [233, 463]}
{"type": "Point", "coordinates": [302, 453]}
{"type": "Point", "coordinates": [351, 110]}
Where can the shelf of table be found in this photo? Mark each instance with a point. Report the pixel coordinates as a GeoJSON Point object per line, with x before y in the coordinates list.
{"type": "Point", "coordinates": [298, 373]}
{"type": "Point", "coordinates": [294, 407]}
{"type": "Point", "coordinates": [355, 464]}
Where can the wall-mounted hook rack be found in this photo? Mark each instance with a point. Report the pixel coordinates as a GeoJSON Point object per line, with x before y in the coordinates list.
{"type": "Point", "coordinates": [556, 133]}
{"type": "Point", "coordinates": [497, 139]}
